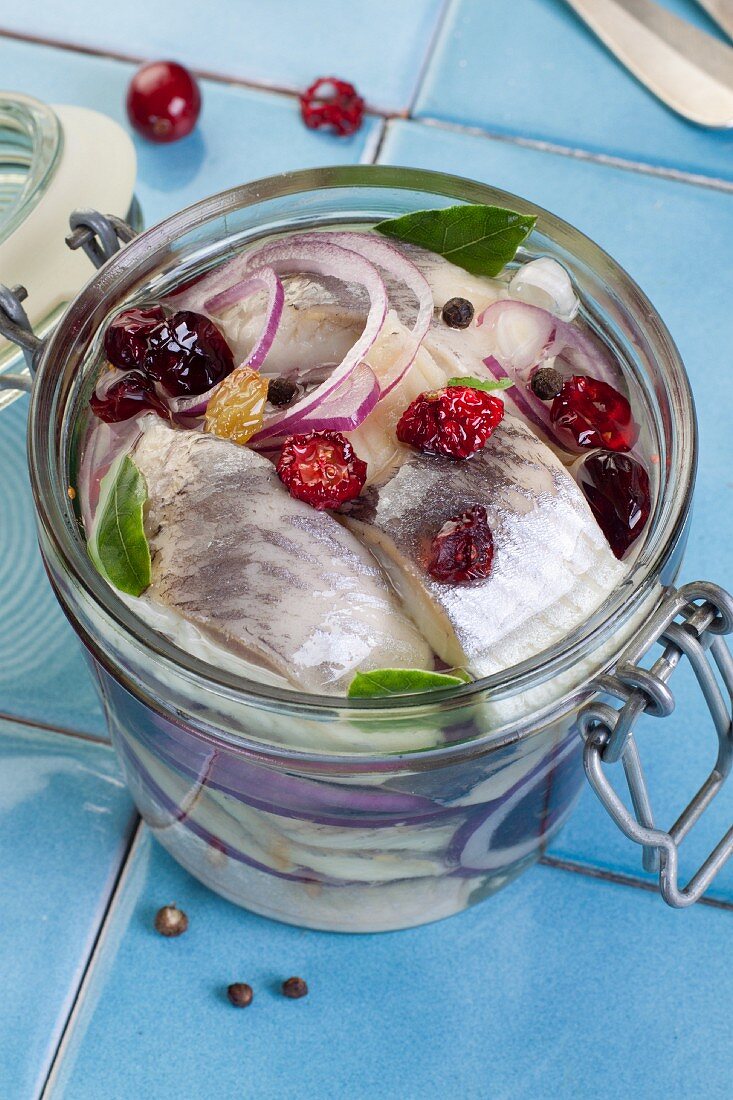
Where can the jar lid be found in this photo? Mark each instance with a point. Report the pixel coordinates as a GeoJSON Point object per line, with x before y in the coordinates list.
{"type": "Point", "coordinates": [54, 159]}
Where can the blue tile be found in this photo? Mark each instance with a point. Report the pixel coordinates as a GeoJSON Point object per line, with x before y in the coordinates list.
{"type": "Point", "coordinates": [532, 68]}
{"type": "Point", "coordinates": [377, 45]}
{"type": "Point", "coordinates": [64, 824]}
{"type": "Point", "coordinates": [43, 675]}
{"type": "Point", "coordinates": [531, 994]}
{"type": "Point", "coordinates": [653, 227]}
{"type": "Point", "coordinates": [242, 134]}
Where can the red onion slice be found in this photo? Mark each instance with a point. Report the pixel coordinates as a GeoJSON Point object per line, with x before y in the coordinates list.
{"type": "Point", "coordinates": [193, 405]}
{"type": "Point", "coordinates": [294, 255]}
{"type": "Point", "coordinates": [546, 336]}
{"type": "Point", "coordinates": [347, 407]}
{"type": "Point", "coordinates": [391, 260]}
{"type": "Point", "coordinates": [102, 445]}
{"type": "Point", "coordinates": [264, 279]}
{"type": "Point", "coordinates": [527, 403]}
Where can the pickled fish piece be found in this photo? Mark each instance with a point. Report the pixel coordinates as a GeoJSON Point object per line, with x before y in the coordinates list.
{"type": "Point", "coordinates": [321, 319]}
{"type": "Point", "coordinates": [552, 567]}
{"type": "Point", "coordinates": [263, 574]}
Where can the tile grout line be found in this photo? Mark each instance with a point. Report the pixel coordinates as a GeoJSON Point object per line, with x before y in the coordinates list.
{"type": "Point", "coordinates": [435, 37]}
{"type": "Point", "coordinates": [138, 59]}
{"type": "Point", "coordinates": [287, 91]}
{"type": "Point", "coordinates": [290, 92]}
{"type": "Point", "coordinates": [619, 878]}
{"type": "Point", "coordinates": [100, 941]}
{"type": "Point", "coordinates": [678, 175]}
{"type": "Point", "coordinates": [377, 151]}
{"type": "Point", "coordinates": [32, 723]}
{"type": "Point", "coordinates": [373, 145]}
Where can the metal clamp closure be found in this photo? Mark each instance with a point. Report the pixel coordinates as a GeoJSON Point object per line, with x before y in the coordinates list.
{"type": "Point", "coordinates": [15, 326]}
{"type": "Point", "coordinates": [99, 235]}
{"type": "Point", "coordinates": [690, 622]}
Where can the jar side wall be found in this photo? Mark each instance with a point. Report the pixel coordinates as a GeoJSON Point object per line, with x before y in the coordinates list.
{"type": "Point", "coordinates": [348, 853]}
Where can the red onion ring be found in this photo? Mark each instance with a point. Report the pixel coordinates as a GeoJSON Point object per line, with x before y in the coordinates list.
{"type": "Point", "coordinates": [347, 407]}
{"type": "Point", "coordinates": [323, 258]}
{"type": "Point", "coordinates": [263, 279]}
{"type": "Point", "coordinates": [527, 403]}
{"type": "Point", "coordinates": [193, 405]}
{"type": "Point", "coordinates": [389, 258]}
{"type": "Point", "coordinates": [555, 337]}
{"type": "Point", "coordinates": [102, 445]}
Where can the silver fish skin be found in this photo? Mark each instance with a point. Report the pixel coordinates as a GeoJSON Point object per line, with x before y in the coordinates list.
{"type": "Point", "coordinates": [263, 574]}
{"type": "Point", "coordinates": [552, 566]}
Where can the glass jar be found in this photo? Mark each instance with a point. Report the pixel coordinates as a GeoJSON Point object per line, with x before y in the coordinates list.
{"type": "Point", "coordinates": [360, 815]}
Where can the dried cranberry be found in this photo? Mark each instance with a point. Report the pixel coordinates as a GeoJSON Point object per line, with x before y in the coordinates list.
{"type": "Point", "coordinates": [616, 487]}
{"type": "Point", "coordinates": [126, 338]}
{"type": "Point", "coordinates": [463, 548]}
{"type": "Point", "coordinates": [321, 469]}
{"type": "Point", "coordinates": [332, 104]}
{"type": "Point", "coordinates": [126, 398]}
{"type": "Point", "coordinates": [187, 354]}
{"type": "Point", "coordinates": [595, 414]}
{"type": "Point", "coordinates": [163, 101]}
{"type": "Point", "coordinates": [455, 422]}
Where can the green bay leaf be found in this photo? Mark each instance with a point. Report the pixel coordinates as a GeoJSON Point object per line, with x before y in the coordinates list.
{"type": "Point", "coordinates": [400, 681]}
{"type": "Point", "coordinates": [480, 239]}
{"type": "Point", "coordinates": [118, 546]}
{"type": "Point", "coordinates": [487, 384]}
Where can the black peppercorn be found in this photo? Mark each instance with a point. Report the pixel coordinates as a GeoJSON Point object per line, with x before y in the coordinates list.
{"type": "Point", "coordinates": [240, 994]}
{"type": "Point", "coordinates": [458, 313]}
{"type": "Point", "coordinates": [170, 921]}
{"type": "Point", "coordinates": [547, 383]}
{"type": "Point", "coordinates": [295, 987]}
{"type": "Point", "coordinates": [281, 391]}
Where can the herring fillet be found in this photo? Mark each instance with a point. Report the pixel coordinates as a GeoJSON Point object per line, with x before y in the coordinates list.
{"type": "Point", "coordinates": [552, 566]}
{"type": "Point", "coordinates": [265, 575]}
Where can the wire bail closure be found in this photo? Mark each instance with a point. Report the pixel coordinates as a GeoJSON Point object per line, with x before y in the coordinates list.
{"type": "Point", "coordinates": [690, 622]}
{"type": "Point", "coordinates": [100, 236]}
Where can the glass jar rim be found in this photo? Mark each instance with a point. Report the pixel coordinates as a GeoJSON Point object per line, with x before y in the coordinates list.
{"type": "Point", "coordinates": [61, 529]}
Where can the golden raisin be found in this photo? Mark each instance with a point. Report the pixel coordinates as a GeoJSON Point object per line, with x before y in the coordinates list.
{"type": "Point", "coordinates": [236, 410]}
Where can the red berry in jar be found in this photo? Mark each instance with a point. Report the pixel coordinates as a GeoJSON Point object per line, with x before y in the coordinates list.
{"type": "Point", "coordinates": [455, 422]}
{"type": "Point", "coordinates": [332, 104]}
{"type": "Point", "coordinates": [463, 549]}
{"type": "Point", "coordinates": [126, 337]}
{"type": "Point", "coordinates": [594, 414]}
{"type": "Point", "coordinates": [187, 354]}
{"type": "Point", "coordinates": [163, 101]}
{"type": "Point", "coordinates": [322, 469]}
{"type": "Point", "coordinates": [132, 394]}
{"type": "Point", "coordinates": [616, 487]}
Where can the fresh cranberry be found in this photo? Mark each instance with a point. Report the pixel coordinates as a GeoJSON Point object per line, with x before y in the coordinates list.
{"type": "Point", "coordinates": [126, 338]}
{"type": "Point", "coordinates": [187, 354]}
{"type": "Point", "coordinates": [455, 422]}
{"type": "Point", "coordinates": [126, 398]}
{"type": "Point", "coordinates": [616, 487]}
{"type": "Point", "coordinates": [321, 469]}
{"type": "Point", "coordinates": [595, 414]}
{"type": "Point", "coordinates": [163, 101]}
{"type": "Point", "coordinates": [463, 548]}
{"type": "Point", "coordinates": [332, 104]}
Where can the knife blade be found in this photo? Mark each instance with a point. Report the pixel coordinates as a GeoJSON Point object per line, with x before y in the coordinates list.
{"type": "Point", "coordinates": [721, 12]}
{"type": "Point", "coordinates": [687, 69]}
